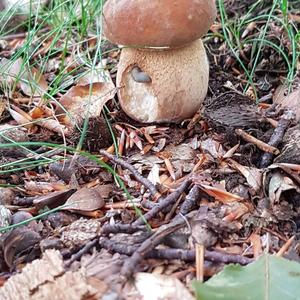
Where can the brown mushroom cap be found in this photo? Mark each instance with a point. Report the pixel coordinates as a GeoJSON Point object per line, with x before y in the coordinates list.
{"type": "Point", "coordinates": [157, 23]}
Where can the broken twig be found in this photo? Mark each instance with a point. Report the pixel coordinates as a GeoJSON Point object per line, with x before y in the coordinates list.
{"type": "Point", "coordinates": [277, 136]}
{"type": "Point", "coordinates": [144, 181]}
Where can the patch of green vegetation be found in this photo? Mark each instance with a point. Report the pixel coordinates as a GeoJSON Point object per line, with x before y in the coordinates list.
{"type": "Point", "coordinates": [277, 13]}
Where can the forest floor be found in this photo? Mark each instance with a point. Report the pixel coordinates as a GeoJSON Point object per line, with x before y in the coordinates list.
{"type": "Point", "coordinates": [107, 200]}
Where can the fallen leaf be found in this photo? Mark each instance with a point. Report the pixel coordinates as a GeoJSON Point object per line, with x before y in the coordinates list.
{"type": "Point", "coordinates": [278, 184]}
{"type": "Point", "coordinates": [252, 175]}
{"type": "Point", "coordinates": [270, 277]}
{"type": "Point", "coordinates": [85, 199]}
{"type": "Point", "coordinates": [219, 194]}
{"type": "Point", "coordinates": [84, 101]}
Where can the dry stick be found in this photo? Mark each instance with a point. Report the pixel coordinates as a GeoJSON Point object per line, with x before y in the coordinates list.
{"type": "Point", "coordinates": [81, 252]}
{"type": "Point", "coordinates": [190, 201]}
{"type": "Point", "coordinates": [170, 254]}
{"type": "Point", "coordinates": [144, 181]}
{"type": "Point", "coordinates": [199, 250]}
{"type": "Point", "coordinates": [277, 135]}
{"type": "Point", "coordinates": [163, 203]}
{"type": "Point", "coordinates": [150, 243]}
{"type": "Point", "coordinates": [258, 143]}
{"type": "Point", "coordinates": [122, 228]}
{"type": "Point", "coordinates": [158, 207]}
{"type": "Point", "coordinates": [286, 246]}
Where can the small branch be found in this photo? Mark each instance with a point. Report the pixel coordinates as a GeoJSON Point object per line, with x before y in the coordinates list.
{"type": "Point", "coordinates": [122, 228]}
{"type": "Point", "coordinates": [277, 136]}
{"type": "Point", "coordinates": [258, 143]}
{"type": "Point", "coordinates": [170, 254]}
{"type": "Point", "coordinates": [144, 181]}
{"type": "Point", "coordinates": [163, 203]}
{"type": "Point", "coordinates": [81, 252]}
{"type": "Point", "coordinates": [190, 201]}
{"type": "Point", "coordinates": [149, 244]}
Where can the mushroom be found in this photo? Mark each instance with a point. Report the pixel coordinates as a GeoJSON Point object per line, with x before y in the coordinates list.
{"type": "Point", "coordinates": [163, 70]}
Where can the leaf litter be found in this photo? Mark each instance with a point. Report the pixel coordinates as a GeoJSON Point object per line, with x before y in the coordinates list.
{"type": "Point", "coordinates": [140, 200]}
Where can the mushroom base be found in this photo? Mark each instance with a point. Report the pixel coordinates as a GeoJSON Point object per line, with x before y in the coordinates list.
{"type": "Point", "coordinates": [178, 86]}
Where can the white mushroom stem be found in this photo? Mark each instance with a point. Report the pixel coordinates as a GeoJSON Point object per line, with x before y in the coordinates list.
{"type": "Point", "coordinates": [163, 86]}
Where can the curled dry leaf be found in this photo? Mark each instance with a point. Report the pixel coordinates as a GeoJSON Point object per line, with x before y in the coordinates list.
{"type": "Point", "coordinates": [252, 175]}
{"type": "Point", "coordinates": [84, 101]}
{"type": "Point", "coordinates": [85, 199]}
{"type": "Point", "coordinates": [220, 194]}
{"type": "Point", "coordinates": [53, 199]}
{"type": "Point", "coordinates": [279, 183]}
{"type": "Point", "coordinates": [21, 119]}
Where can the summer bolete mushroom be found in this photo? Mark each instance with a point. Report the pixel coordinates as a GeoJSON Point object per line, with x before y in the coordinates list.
{"type": "Point", "coordinates": [164, 78]}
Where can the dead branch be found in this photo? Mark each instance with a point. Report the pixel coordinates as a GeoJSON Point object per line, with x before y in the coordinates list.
{"type": "Point", "coordinates": [170, 254]}
{"type": "Point", "coordinates": [277, 135]}
{"type": "Point", "coordinates": [163, 203]}
{"type": "Point", "coordinates": [144, 181]}
{"type": "Point", "coordinates": [85, 249]}
{"type": "Point", "coordinates": [150, 243]}
{"type": "Point", "coordinates": [190, 201]}
{"type": "Point", "coordinates": [122, 228]}
{"type": "Point", "coordinates": [258, 143]}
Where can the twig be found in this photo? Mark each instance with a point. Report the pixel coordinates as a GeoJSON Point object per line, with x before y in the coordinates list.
{"type": "Point", "coordinates": [122, 228]}
{"type": "Point", "coordinates": [199, 250]}
{"type": "Point", "coordinates": [170, 254]}
{"type": "Point", "coordinates": [81, 252]}
{"type": "Point", "coordinates": [149, 244]}
{"type": "Point", "coordinates": [286, 246]}
{"type": "Point", "coordinates": [144, 181]}
{"type": "Point", "coordinates": [191, 200]}
{"type": "Point", "coordinates": [258, 143]}
{"type": "Point", "coordinates": [163, 203]}
{"type": "Point", "coordinates": [277, 135]}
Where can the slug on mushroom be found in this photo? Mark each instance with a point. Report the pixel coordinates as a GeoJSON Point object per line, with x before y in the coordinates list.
{"type": "Point", "coordinates": [164, 77]}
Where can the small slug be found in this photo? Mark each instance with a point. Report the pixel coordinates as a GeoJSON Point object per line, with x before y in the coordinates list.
{"type": "Point", "coordinates": [139, 76]}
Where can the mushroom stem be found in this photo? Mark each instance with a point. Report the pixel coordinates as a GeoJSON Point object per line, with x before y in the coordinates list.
{"type": "Point", "coordinates": [163, 86]}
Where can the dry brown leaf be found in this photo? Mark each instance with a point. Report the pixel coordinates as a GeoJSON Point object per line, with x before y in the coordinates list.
{"type": "Point", "coordinates": [82, 101]}
{"type": "Point", "coordinates": [85, 199]}
{"type": "Point", "coordinates": [256, 244]}
{"type": "Point", "coordinates": [35, 84]}
{"type": "Point", "coordinates": [53, 199]}
{"type": "Point", "coordinates": [278, 184]}
{"type": "Point", "coordinates": [252, 175]}
{"type": "Point", "coordinates": [213, 148]}
{"type": "Point", "coordinates": [18, 242]}
{"type": "Point", "coordinates": [219, 194]}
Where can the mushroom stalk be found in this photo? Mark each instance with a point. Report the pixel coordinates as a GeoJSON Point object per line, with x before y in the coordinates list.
{"type": "Point", "coordinates": [162, 86]}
